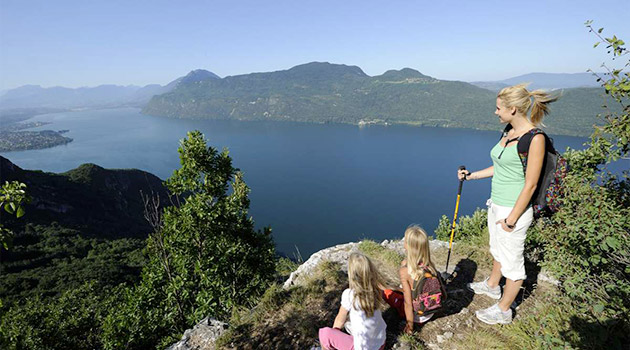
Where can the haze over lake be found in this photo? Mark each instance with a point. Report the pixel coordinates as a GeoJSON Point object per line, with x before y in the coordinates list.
{"type": "Point", "coordinates": [316, 185]}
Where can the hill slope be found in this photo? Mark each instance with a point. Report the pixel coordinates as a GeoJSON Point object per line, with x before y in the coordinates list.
{"type": "Point", "coordinates": [322, 92]}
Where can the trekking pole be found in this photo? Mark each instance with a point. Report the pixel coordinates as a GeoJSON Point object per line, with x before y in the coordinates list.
{"type": "Point", "coordinates": [446, 275]}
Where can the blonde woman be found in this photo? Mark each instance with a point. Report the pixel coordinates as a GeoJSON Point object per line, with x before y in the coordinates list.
{"type": "Point", "coordinates": [414, 271]}
{"type": "Point", "coordinates": [509, 210]}
{"type": "Point", "coordinates": [362, 302]}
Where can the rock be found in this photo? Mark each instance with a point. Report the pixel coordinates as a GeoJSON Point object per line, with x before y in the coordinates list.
{"type": "Point", "coordinates": [448, 335]}
{"type": "Point", "coordinates": [464, 311]}
{"type": "Point", "coordinates": [340, 254]}
{"type": "Point", "coordinates": [440, 339]}
{"type": "Point", "coordinates": [543, 276]}
{"type": "Point", "coordinates": [202, 336]}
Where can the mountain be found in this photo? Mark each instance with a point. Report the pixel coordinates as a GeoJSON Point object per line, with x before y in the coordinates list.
{"type": "Point", "coordinates": [196, 76]}
{"type": "Point", "coordinates": [321, 92]}
{"type": "Point", "coordinates": [90, 198]}
{"type": "Point", "coordinates": [547, 81]}
{"type": "Point", "coordinates": [86, 224]}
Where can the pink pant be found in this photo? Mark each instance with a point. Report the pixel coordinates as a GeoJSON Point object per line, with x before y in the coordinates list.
{"type": "Point", "coordinates": [334, 339]}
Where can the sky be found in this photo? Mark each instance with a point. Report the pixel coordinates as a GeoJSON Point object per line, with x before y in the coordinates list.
{"type": "Point", "coordinates": [89, 43]}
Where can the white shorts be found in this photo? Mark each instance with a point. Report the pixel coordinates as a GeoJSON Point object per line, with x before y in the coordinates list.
{"type": "Point", "coordinates": [507, 247]}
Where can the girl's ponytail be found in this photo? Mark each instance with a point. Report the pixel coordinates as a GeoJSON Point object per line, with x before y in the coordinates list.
{"type": "Point", "coordinates": [540, 108]}
{"type": "Point", "coordinates": [517, 96]}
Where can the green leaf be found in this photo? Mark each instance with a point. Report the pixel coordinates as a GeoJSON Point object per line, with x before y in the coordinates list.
{"type": "Point", "coordinates": [20, 212]}
{"type": "Point", "coordinates": [598, 308]}
{"type": "Point", "coordinates": [8, 209]}
{"type": "Point", "coordinates": [599, 31]}
{"type": "Point", "coordinates": [596, 44]}
{"type": "Point", "coordinates": [612, 242]}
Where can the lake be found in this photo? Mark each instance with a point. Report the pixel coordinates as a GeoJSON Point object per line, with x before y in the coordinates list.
{"type": "Point", "coordinates": [315, 185]}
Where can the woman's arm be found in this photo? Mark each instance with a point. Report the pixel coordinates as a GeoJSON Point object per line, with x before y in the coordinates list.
{"type": "Point", "coordinates": [480, 174]}
{"type": "Point", "coordinates": [536, 155]}
{"type": "Point", "coordinates": [340, 320]}
{"type": "Point", "coordinates": [404, 279]}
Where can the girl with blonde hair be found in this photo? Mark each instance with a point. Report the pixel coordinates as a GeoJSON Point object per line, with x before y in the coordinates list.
{"type": "Point", "coordinates": [363, 303]}
{"type": "Point", "coordinates": [415, 270]}
{"type": "Point", "coordinates": [514, 181]}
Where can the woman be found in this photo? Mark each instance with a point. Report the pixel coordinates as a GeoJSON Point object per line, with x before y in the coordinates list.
{"type": "Point", "coordinates": [509, 210]}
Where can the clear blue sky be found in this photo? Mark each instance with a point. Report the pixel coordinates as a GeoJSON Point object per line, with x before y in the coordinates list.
{"type": "Point", "coordinates": [87, 43]}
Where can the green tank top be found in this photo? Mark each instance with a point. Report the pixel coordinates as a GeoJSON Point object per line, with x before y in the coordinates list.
{"type": "Point", "coordinates": [508, 179]}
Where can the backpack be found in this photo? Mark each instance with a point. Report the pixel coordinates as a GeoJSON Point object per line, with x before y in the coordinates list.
{"type": "Point", "coordinates": [428, 294]}
{"type": "Point", "coordinates": [545, 200]}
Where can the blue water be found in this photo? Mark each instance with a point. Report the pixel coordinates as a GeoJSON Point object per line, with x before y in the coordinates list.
{"type": "Point", "coordinates": [315, 185]}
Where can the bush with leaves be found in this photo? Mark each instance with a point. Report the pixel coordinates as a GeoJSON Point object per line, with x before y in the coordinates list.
{"type": "Point", "coordinates": [12, 196]}
{"type": "Point", "coordinates": [205, 256]}
{"type": "Point", "coordinates": [587, 244]}
{"type": "Point", "coordinates": [467, 226]}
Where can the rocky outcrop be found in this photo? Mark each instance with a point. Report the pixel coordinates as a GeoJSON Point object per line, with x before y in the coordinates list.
{"type": "Point", "coordinates": [201, 337]}
{"type": "Point", "coordinates": [437, 333]}
{"type": "Point", "coordinates": [339, 254]}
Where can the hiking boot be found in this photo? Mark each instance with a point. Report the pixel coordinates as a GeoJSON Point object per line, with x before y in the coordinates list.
{"type": "Point", "coordinates": [494, 315]}
{"type": "Point", "coordinates": [483, 288]}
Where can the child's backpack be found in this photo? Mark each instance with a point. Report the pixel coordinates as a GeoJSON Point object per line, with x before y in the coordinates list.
{"type": "Point", "coordinates": [545, 200]}
{"type": "Point", "coordinates": [428, 294]}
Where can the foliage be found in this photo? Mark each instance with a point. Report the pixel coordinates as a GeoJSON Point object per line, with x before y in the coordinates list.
{"type": "Point", "coordinates": [288, 319]}
{"type": "Point", "coordinates": [587, 244]}
{"type": "Point", "coordinates": [47, 260]}
{"type": "Point", "coordinates": [70, 321]}
{"type": "Point", "coordinates": [468, 225]}
{"type": "Point", "coordinates": [284, 267]}
{"type": "Point", "coordinates": [205, 257]}
{"type": "Point", "coordinates": [12, 197]}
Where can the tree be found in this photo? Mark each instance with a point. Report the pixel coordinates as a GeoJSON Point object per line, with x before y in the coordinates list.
{"type": "Point", "coordinates": [205, 256]}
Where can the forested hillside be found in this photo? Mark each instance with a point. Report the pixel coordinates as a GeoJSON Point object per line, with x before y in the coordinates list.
{"type": "Point", "coordinates": [332, 93]}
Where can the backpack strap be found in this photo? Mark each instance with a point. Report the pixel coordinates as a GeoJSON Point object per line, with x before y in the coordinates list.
{"type": "Point", "coordinates": [525, 141]}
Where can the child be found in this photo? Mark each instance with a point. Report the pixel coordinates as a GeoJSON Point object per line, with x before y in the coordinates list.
{"type": "Point", "coordinates": [416, 275]}
{"type": "Point", "coordinates": [363, 302]}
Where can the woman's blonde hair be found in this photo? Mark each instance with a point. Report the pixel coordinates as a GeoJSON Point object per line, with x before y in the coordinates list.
{"type": "Point", "coordinates": [418, 252]}
{"type": "Point", "coordinates": [365, 281]}
{"type": "Point", "coordinates": [518, 96]}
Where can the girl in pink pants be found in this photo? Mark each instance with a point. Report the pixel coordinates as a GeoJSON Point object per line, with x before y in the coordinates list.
{"type": "Point", "coordinates": [362, 303]}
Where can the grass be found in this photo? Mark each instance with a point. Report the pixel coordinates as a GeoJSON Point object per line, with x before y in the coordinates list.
{"type": "Point", "coordinates": [411, 341]}
{"type": "Point", "coordinates": [288, 319]}
{"type": "Point", "coordinates": [376, 251]}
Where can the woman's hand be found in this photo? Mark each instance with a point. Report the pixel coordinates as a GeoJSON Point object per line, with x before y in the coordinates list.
{"type": "Point", "coordinates": [408, 328]}
{"type": "Point", "coordinates": [504, 225]}
{"type": "Point", "coordinates": [463, 174]}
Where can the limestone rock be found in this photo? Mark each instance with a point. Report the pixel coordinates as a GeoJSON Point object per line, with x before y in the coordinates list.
{"type": "Point", "coordinates": [202, 336]}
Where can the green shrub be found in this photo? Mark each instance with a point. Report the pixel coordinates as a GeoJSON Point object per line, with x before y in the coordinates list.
{"type": "Point", "coordinates": [467, 226]}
